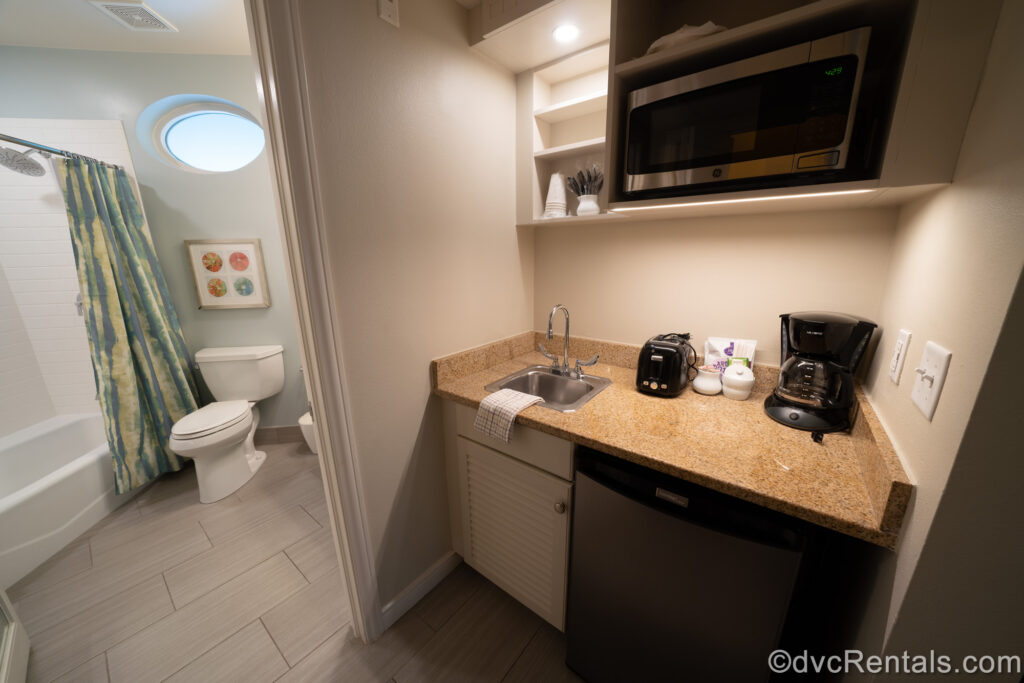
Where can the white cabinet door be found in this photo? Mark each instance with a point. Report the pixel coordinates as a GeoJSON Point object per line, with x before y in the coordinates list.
{"type": "Point", "coordinates": [516, 526]}
{"type": "Point", "coordinates": [499, 14]}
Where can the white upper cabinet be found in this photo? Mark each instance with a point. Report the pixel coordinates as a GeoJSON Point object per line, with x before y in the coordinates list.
{"type": "Point", "coordinates": [498, 14]}
{"type": "Point", "coordinates": [518, 34]}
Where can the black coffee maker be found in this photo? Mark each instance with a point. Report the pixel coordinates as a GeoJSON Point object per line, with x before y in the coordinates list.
{"type": "Point", "coordinates": [820, 353]}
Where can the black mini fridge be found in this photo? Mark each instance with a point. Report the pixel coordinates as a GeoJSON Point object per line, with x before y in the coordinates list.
{"type": "Point", "coordinates": [670, 581]}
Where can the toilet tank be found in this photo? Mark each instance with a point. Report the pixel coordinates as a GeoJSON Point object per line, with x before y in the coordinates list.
{"type": "Point", "coordinates": [248, 373]}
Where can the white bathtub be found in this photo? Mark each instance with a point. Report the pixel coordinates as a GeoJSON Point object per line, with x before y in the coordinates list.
{"type": "Point", "coordinates": [56, 481]}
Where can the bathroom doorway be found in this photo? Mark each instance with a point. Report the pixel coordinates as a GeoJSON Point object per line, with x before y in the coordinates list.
{"type": "Point", "coordinates": [64, 93]}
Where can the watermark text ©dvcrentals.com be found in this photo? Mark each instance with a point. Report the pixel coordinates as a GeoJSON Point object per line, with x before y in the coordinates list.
{"type": "Point", "coordinates": [783, 661]}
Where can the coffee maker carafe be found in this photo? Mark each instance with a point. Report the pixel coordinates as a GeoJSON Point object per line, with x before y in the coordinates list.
{"type": "Point", "coordinates": [820, 353]}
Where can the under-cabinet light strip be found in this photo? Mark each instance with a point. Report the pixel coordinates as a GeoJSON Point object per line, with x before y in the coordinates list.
{"type": "Point", "coordinates": [737, 201]}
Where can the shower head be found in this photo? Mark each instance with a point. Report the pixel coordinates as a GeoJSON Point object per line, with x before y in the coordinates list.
{"type": "Point", "coordinates": [19, 161]}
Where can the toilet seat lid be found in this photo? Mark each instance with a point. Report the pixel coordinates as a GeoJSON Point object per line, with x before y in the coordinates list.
{"type": "Point", "coordinates": [210, 418]}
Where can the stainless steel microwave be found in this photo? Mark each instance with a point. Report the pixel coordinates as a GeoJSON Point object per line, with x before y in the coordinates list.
{"type": "Point", "coordinates": [772, 118]}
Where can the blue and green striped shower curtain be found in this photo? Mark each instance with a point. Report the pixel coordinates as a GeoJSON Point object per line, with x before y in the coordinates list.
{"type": "Point", "coordinates": [139, 358]}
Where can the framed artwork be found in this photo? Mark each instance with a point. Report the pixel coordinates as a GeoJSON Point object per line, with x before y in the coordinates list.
{"type": "Point", "coordinates": [228, 273]}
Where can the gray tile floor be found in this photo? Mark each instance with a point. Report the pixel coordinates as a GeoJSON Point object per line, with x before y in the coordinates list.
{"type": "Point", "coordinates": [248, 589]}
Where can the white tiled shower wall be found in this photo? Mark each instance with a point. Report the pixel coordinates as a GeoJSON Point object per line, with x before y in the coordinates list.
{"type": "Point", "coordinates": [24, 399]}
{"type": "Point", "coordinates": [38, 260]}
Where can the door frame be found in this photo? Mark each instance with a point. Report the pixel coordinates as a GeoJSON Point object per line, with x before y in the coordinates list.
{"type": "Point", "coordinates": [274, 37]}
{"type": "Point", "coordinates": [14, 644]}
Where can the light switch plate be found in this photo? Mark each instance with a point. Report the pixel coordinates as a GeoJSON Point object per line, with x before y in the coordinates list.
{"type": "Point", "coordinates": [930, 375]}
{"type": "Point", "coordinates": [388, 11]}
{"type": "Point", "coordinates": [899, 354]}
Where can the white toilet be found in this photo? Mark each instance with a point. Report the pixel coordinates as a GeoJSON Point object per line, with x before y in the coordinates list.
{"type": "Point", "coordinates": [219, 436]}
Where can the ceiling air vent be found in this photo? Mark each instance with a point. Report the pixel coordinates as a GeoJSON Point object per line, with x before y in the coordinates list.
{"type": "Point", "coordinates": [137, 16]}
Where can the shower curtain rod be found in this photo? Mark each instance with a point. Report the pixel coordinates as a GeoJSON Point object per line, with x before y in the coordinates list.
{"type": "Point", "coordinates": [53, 150]}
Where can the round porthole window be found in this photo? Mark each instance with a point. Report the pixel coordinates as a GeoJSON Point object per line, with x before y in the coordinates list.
{"type": "Point", "coordinates": [201, 134]}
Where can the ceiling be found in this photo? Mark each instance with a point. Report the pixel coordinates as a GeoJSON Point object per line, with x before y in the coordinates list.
{"type": "Point", "coordinates": [218, 27]}
{"type": "Point", "coordinates": [211, 27]}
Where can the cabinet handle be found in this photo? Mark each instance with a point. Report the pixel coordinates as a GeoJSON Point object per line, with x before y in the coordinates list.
{"type": "Point", "coordinates": [560, 507]}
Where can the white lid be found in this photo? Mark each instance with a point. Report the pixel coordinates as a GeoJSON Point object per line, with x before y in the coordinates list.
{"type": "Point", "coordinates": [738, 377]}
{"type": "Point", "coordinates": [210, 418]}
{"type": "Point", "coordinates": [224, 353]}
{"type": "Point", "coordinates": [737, 370]}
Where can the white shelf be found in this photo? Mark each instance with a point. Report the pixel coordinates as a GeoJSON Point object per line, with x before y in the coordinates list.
{"type": "Point", "coordinates": [576, 220]}
{"type": "Point", "coordinates": [561, 119]}
{"type": "Point", "coordinates": [593, 58]}
{"type": "Point", "coordinates": [822, 197]}
{"type": "Point", "coordinates": [570, 109]}
{"type": "Point", "coordinates": [572, 149]}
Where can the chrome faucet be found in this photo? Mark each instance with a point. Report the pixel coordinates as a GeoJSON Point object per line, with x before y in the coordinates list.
{"type": "Point", "coordinates": [563, 367]}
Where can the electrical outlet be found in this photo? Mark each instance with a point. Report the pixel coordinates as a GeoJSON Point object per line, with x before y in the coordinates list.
{"type": "Point", "coordinates": [899, 354]}
{"type": "Point", "coordinates": [388, 11]}
{"type": "Point", "coordinates": [931, 374]}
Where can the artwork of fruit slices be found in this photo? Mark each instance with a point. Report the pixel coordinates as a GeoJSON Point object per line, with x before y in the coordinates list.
{"type": "Point", "coordinates": [244, 286]}
{"type": "Point", "coordinates": [228, 273]}
{"type": "Point", "coordinates": [216, 287]}
{"type": "Point", "coordinates": [212, 261]}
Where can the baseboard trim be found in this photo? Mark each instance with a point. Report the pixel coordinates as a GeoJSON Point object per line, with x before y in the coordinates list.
{"type": "Point", "coordinates": [414, 592]}
{"type": "Point", "coordinates": [286, 434]}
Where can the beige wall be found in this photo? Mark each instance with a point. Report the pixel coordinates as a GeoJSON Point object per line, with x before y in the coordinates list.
{"type": "Point", "coordinates": [970, 569]}
{"type": "Point", "coordinates": [956, 260]}
{"type": "Point", "coordinates": [712, 276]}
{"type": "Point", "coordinates": [415, 137]}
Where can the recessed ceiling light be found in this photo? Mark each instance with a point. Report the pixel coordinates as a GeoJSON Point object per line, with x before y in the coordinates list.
{"type": "Point", "coordinates": [566, 33]}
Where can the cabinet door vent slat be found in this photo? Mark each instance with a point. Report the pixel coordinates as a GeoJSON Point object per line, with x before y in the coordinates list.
{"type": "Point", "coordinates": [511, 535]}
{"type": "Point", "coordinates": [531, 509]}
{"type": "Point", "coordinates": [515, 565]}
{"type": "Point", "coordinates": [489, 536]}
{"type": "Point", "coordinates": [509, 489]}
{"type": "Point", "coordinates": [533, 591]}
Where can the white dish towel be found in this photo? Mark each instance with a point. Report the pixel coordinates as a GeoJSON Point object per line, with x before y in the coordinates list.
{"type": "Point", "coordinates": [498, 411]}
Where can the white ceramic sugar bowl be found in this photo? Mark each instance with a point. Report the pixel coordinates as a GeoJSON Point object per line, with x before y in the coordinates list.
{"type": "Point", "coordinates": [737, 382]}
{"type": "Point", "coordinates": [707, 381]}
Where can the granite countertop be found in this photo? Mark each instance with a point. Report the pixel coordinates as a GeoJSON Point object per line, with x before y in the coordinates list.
{"type": "Point", "coordinates": [852, 483]}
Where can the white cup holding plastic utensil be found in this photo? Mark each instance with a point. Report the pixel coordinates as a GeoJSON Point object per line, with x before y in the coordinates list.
{"type": "Point", "coordinates": [588, 205]}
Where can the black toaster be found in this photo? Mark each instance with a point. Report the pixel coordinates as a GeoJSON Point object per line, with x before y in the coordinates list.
{"type": "Point", "coordinates": [664, 363]}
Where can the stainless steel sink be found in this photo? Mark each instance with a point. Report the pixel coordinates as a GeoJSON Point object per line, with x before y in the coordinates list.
{"type": "Point", "coordinates": [561, 393]}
